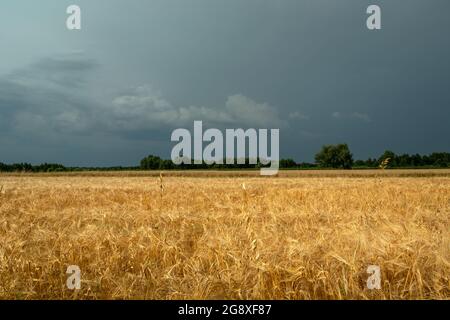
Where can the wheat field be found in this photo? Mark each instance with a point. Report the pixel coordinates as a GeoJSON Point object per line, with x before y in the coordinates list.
{"type": "Point", "coordinates": [206, 235]}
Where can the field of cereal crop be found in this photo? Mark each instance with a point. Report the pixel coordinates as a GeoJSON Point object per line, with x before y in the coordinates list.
{"type": "Point", "coordinates": [226, 235]}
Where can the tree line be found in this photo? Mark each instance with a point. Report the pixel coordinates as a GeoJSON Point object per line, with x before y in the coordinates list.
{"type": "Point", "coordinates": [330, 156]}
{"type": "Point", "coordinates": [339, 156]}
{"type": "Point", "coordinates": [336, 156]}
{"type": "Point", "coordinates": [55, 167]}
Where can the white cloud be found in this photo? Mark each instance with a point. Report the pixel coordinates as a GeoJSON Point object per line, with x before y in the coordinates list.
{"type": "Point", "coordinates": [248, 112]}
{"type": "Point", "coordinates": [145, 108]}
{"type": "Point", "coordinates": [336, 115]}
{"type": "Point", "coordinates": [361, 116]}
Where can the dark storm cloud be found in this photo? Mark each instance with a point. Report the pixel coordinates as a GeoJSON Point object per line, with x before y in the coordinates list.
{"type": "Point", "coordinates": [43, 99]}
{"type": "Point", "coordinates": [147, 67]}
{"type": "Point", "coordinates": [47, 102]}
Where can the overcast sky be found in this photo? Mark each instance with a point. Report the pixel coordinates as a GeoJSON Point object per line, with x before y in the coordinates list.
{"type": "Point", "coordinates": [112, 92]}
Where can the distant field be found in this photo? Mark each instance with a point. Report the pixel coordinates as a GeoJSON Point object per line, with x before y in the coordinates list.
{"type": "Point", "coordinates": [226, 234]}
{"type": "Point", "coordinates": [247, 173]}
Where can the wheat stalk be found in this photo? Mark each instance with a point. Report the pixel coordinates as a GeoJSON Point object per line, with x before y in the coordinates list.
{"type": "Point", "coordinates": [161, 183]}
{"type": "Point", "coordinates": [384, 164]}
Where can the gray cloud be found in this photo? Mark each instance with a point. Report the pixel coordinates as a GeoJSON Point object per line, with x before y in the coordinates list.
{"type": "Point", "coordinates": [44, 98]}
{"type": "Point", "coordinates": [361, 116]}
{"type": "Point", "coordinates": [65, 71]}
{"type": "Point", "coordinates": [297, 115]}
{"type": "Point", "coordinates": [48, 98]}
{"type": "Point", "coordinates": [236, 64]}
{"type": "Point", "coordinates": [146, 108]}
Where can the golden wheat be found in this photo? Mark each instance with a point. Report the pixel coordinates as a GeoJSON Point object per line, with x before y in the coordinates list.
{"type": "Point", "coordinates": [191, 236]}
{"type": "Point", "coordinates": [384, 164]}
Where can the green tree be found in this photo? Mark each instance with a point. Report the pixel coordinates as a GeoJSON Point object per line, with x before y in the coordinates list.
{"type": "Point", "coordinates": [335, 156]}
{"type": "Point", "coordinates": [151, 163]}
{"type": "Point", "coordinates": [287, 163]}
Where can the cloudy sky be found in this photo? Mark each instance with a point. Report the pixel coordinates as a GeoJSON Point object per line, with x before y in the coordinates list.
{"type": "Point", "coordinates": [112, 92]}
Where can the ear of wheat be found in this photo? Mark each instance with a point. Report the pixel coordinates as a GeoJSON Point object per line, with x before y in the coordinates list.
{"type": "Point", "coordinates": [161, 183]}
{"type": "Point", "coordinates": [384, 164]}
